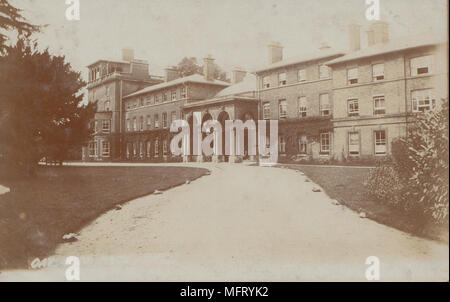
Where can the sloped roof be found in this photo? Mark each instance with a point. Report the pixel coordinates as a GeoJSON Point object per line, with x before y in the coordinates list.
{"type": "Point", "coordinates": [405, 43]}
{"type": "Point", "coordinates": [107, 60]}
{"type": "Point", "coordinates": [248, 84]}
{"type": "Point", "coordinates": [195, 78]}
{"type": "Point", "coordinates": [317, 55]}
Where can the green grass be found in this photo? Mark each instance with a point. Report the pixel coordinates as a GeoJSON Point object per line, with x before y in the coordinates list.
{"type": "Point", "coordinates": [59, 200]}
{"type": "Point", "coordinates": [346, 184]}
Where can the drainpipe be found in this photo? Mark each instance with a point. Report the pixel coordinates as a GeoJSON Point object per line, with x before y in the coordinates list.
{"type": "Point", "coordinates": [120, 121]}
{"type": "Point", "coordinates": [406, 97]}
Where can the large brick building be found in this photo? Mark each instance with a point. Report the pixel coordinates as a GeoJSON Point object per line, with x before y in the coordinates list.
{"type": "Point", "coordinates": [108, 82]}
{"type": "Point", "coordinates": [298, 92]}
{"type": "Point", "coordinates": [378, 90]}
{"type": "Point", "coordinates": [331, 104]}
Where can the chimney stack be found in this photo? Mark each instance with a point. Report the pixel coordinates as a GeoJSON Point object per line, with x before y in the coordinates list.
{"type": "Point", "coordinates": [127, 54]}
{"type": "Point", "coordinates": [208, 68]}
{"type": "Point", "coordinates": [238, 74]}
{"type": "Point", "coordinates": [275, 52]}
{"type": "Point", "coordinates": [170, 74]}
{"type": "Point", "coordinates": [355, 37]}
{"type": "Point", "coordinates": [378, 33]}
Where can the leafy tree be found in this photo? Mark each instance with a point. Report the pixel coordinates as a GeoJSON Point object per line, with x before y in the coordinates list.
{"type": "Point", "coordinates": [41, 111]}
{"type": "Point", "coordinates": [190, 66]}
{"type": "Point", "coordinates": [11, 19]}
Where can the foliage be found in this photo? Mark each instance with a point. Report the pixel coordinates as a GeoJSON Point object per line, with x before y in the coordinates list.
{"type": "Point", "coordinates": [40, 106]}
{"type": "Point", "coordinates": [12, 19]}
{"type": "Point", "coordinates": [384, 184]}
{"type": "Point", "coordinates": [418, 177]}
{"type": "Point", "coordinates": [190, 66]}
{"type": "Point", "coordinates": [429, 154]}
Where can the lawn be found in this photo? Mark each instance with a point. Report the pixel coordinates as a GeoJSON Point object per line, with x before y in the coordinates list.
{"type": "Point", "coordinates": [59, 200]}
{"type": "Point", "coordinates": [346, 184]}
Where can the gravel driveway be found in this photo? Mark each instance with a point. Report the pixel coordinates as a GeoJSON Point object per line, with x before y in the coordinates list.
{"type": "Point", "coordinates": [244, 223]}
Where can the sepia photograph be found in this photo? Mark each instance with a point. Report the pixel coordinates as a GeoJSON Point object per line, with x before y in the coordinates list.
{"type": "Point", "coordinates": [208, 141]}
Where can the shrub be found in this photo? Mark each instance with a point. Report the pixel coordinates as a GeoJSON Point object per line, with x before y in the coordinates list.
{"type": "Point", "coordinates": [417, 179]}
{"type": "Point", "coordinates": [428, 152]}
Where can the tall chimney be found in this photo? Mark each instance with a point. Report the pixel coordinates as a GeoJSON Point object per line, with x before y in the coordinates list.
{"type": "Point", "coordinates": [355, 37]}
{"type": "Point", "coordinates": [208, 68]}
{"type": "Point", "coordinates": [378, 33]}
{"type": "Point", "coordinates": [127, 54]}
{"type": "Point", "coordinates": [238, 74]}
{"type": "Point", "coordinates": [170, 74]}
{"type": "Point", "coordinates": [275, 52]}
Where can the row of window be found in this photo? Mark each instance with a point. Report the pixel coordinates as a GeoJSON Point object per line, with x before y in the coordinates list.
{"type": "Point", "coordinates": [302, 105]}
{"type": "Point", "coordinates": [418, 66]}
{"type": "Point", "coordinates": [94, 151]}
{"type": "Point", "coordinates": [422, 100]}
{"type": "Point", "coordinates": [324, 73]}
{"type": "Point", "coordinates": [157, 98]}
{"type": "Point", "coordinates": [144, 149]}
{"type": "Point", "coordinates": [354, 145]}
{"type": "Point", "coordinates": [324, 140]}
{"type": "Point", "coordinates": [132, 124]}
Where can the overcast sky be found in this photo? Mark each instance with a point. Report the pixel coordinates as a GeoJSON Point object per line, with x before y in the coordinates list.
{"type": "Point", "coordinates": [235, 32]}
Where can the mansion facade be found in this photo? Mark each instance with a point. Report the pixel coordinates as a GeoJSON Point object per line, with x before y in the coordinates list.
{"type": "Point", "coordinates": [329, 104]}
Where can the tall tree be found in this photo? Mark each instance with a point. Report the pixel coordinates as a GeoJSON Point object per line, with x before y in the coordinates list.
{"type": "Point", "coordinates": [190, 66]}
{"type": "Point", "coordinates": [41, 110]}
{"type": "Point", "coordinates": [11, 19]}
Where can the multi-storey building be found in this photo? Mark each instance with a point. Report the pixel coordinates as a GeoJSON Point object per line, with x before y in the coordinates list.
{"type": "Point", "coordinates": [298, 93]}
{"type": "Point", "coordinates": [150, 111]}
{"type": "Point", "coordinates": [108, 82]}
{"type": "Point", "coordinates": [330, 104]}
{"type": "Point", "coordinates": [378, 89]}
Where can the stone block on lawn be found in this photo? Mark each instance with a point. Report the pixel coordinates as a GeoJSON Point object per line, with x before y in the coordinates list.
{"type": "Point", "coordinates": [315, 189]}
{"type": "Point", "coordinates": [157, 192]}
{"type": "Point", "coordinates": [335, 202]}
{"type": "Point", "coordinates": [362, 215]}
{"type": "Point", "coordinates": [71, 237]}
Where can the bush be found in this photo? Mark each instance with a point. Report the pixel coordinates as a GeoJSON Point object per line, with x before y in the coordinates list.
{"type": "Point", "coordinates": [417, 179]}
{"type": "Point", "coordinates": [428, 147]}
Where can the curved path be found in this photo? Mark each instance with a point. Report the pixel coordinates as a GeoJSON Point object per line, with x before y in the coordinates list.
{"type": "Point", "coordinates": [245, 223]}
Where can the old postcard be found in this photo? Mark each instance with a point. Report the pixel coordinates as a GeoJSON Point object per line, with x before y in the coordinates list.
{"type": "Point", "coordinates": [238, 140]}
